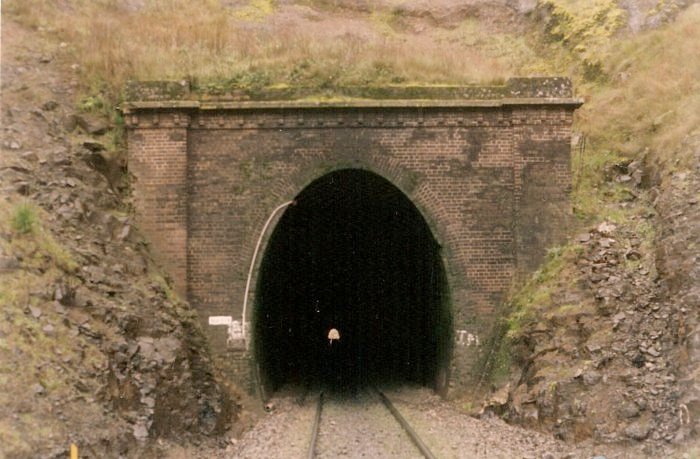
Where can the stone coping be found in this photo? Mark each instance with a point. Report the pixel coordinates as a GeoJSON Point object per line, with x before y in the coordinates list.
{"type": "Point", "coordinates": [369, 103]}
{"type": "Point", "coordinates": [145, 95]}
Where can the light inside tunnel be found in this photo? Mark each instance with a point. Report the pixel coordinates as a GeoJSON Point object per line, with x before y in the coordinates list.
{"type": "Point", "coordinates": [356, 255]}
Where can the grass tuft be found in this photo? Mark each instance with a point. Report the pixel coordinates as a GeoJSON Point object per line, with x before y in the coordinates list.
{"type": "Point", "coordinates": [24, 218]}
{"type": "Point", "coordinates": [535, 295]}
{"type": "Point", "coordinates": [36, 245]}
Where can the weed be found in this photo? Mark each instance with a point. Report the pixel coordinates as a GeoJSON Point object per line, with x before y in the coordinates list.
{"type": "Point", "coordinates": [38, 245]}
{"type": "Point", "coordinates": [535, 295]}
{"type": "Point", "coordinates": [24, 218]}
{"type": "Point", "coordinates": [92, 103]}
{"type": "Point", "coordinates": [165, 286]}
{"type": "Point", "coordinates": [61, 258]}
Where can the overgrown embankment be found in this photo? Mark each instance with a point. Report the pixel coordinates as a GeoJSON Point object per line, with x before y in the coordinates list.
{"type": "Point", "coordinates": [94, 348]}
{"type": "Point", "coordinates": [219, 45]}
{"type": "Point", "coordinates": [600, 342]}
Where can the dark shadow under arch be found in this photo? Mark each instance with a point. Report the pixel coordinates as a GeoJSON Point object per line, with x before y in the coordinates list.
{"type": "Point", "coordinates": [354, 254]}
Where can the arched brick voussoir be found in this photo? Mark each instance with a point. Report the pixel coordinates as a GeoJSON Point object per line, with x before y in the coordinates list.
{"type": "Point", "coordinates": [286, 188]}
{"type": "Point", "coordinates": [411, 183]}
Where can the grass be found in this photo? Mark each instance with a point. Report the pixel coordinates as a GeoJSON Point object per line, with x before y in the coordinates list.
{"type": "Point", "coordinates": [209, 42]}
{"type": "Point", "coordinates": [648, 102]}
{"type": "Point", "coordinates": [24, 218]}
{"type": "Point", "coordinates": [35, 244]}
{"type": "Point", "coordinates": [535, 295]}
{"type": "Point", "coordinates": [653, 99]}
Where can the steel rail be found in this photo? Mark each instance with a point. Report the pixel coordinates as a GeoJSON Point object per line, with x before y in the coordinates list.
{"type": "Point", "coordinates": [415, 439]}
{"type": "Point", "coordinates": [314, 429]}
{"type": "Point", "coordinates": [406, 426]}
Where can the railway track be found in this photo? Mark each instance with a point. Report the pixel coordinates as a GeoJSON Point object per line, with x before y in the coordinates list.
{"type": "Point", "coordinates": [349, 421]}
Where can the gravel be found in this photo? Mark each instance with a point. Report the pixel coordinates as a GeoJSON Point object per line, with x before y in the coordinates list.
{"type": "Point", "coordinates": [450, 433]}
{"type": "Point", "coordinates": [361, 426]}
{"type": "Point", "coordinates": [282, 433]}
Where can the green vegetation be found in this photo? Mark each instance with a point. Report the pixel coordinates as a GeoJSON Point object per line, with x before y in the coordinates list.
{"type": "Point", "coordinates": [165, 285]}
{"type": "Point", "coordinates": [649, 102]}
{"type": "Point", "coordinates": [24, 219]}
{"type": "Point", "coordinates": [37, 244]}
{"type": "Point", "coordinates": [535, 295]}
{"type": "Point", "coordinates": [583, 26]}
{"type": "Point", "coordinates": [496, 364]}
{"type": "Point", "coordinates": [653, 100]}
{"type": "Point", "coordinates": [526, 305]}
{"type": "Point", "coordinates": [36, 345]}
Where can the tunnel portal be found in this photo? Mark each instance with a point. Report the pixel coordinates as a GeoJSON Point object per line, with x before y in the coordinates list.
{"type": "Point", "coordinates": [353, 254]}
{"type": "Point", "coordinates": [487, 166]}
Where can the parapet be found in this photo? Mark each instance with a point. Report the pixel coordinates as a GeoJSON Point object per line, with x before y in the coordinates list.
{"type": "Point", "coordinates": [184, 94]}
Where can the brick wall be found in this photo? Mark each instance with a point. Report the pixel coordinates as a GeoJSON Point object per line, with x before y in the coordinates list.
{"type": "Point", "coordinates": [158, 166]}
{"type": "Point", "coordinates": [491, 182]}
{"type": "Point", "coordinates": [541, 145]}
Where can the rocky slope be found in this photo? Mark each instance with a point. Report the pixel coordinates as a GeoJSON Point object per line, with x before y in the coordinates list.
{"type": "Point", "coordinates": [606, 348]}
{"type": "Point", "coordinates": [600, 358]}
{"type": "Point", "coordinates": [677, 202]}
{"type": "Point", "coordinates": [94, 348]}
{"type": "Point", "coordinates": [603, 338]}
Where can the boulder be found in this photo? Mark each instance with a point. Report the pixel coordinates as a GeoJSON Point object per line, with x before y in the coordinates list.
{"type": "Point", "coordinates": [638, 430]}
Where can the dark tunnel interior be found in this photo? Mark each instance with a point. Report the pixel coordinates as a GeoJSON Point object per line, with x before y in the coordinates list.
{"type": "Point", "coordinates": [356, 255]}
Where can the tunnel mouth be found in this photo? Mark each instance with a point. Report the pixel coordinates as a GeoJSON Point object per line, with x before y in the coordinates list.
{"type": "Point", "coordinates": [353, 254]}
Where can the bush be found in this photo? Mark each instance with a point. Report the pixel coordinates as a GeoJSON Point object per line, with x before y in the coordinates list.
{"type": "Point", "coordinates": [24, 219]}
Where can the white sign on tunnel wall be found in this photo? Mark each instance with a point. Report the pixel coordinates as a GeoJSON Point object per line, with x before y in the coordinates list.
{"type": "Point", "coordinates": [235, 330]}
{"type": "Point", "coordinates": [464, 338]}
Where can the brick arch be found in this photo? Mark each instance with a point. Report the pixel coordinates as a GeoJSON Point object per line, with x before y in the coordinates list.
{"type": "Point", "coordinates": [440, 311]}
{"type": "Point", "coordinates": [419, 194]}
{"type": "Point", "coordinates": [418, 191]}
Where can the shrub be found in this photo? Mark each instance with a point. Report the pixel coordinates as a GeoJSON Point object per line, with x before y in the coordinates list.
{"type": "Point", "coordinates": [24, 218]}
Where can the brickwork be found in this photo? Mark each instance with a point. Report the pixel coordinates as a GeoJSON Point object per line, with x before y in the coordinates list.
{"type": "Point", "coordinates": [158, 165]}
{"type": "Point", "coordinates": [492, 183]}
{"type": "Point", "coordinates": [543, 180]}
